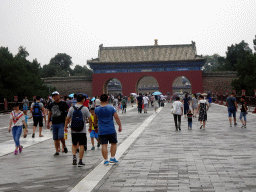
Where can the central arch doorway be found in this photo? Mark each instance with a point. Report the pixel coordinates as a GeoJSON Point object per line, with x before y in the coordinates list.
{"type": "Point", "coordinates": [181, 85]}
{"type": "Point", "coordinates": [113, 87]}
{"type": "Point", "coordinates": [147, 84]}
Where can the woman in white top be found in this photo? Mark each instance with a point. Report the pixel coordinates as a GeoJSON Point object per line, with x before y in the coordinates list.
{"type": "Point", "coordinates": [155, 102]}
{"type": "Point", "coordinates": [97, 102]}
{"type": "Point", "coordinates": [177, 112]}
{"type": "Point", "coordinates": [194, 105]}
{"type": "Point", "coordinates": [17, 119]}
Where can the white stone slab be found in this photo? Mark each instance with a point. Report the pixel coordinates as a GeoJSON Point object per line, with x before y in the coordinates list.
{"type": "Point", "coordinates": [9, 146]}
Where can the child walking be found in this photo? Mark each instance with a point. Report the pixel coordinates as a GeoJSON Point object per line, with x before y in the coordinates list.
{"type": "Point", "coordinates": [93, 129]}
{"type": "Point", "coordinates": [17, 119]}
{"type": "Point", "coordinates": [190, 116]}
{"type": "Point", "coordinates": [25, 131]}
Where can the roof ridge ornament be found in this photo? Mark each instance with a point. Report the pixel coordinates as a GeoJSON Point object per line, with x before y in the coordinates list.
{"type": "Point", "coordinates": [156, 41]}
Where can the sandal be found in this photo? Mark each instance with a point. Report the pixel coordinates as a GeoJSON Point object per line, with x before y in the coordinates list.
{"type": "Point", "coordinates": [40, 135]}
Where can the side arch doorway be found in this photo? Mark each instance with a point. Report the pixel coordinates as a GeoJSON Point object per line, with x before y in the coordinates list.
{"type": "Point", "coordinates": [147, 84]}
{"type": "Point", "coordinates": [181, 85]}
{"type": "Point", "coordinates": [113, 87]}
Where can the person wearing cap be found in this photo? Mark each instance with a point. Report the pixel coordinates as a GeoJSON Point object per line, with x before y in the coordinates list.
{"type": "Point", "coordinates": [58, 111]}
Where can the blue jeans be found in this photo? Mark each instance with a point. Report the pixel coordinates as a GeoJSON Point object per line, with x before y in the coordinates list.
{"type": "Point", "coordinates": [190, 124]}
{"type": "Point", "coordinates": [243, 114]}
{"type": "Point", "coordinates": [16, 132]}
{"type": "Point", "coordinates": [58, 131]}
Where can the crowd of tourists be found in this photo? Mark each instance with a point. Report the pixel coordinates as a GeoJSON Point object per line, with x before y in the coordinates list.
{"type": "Point", "coordinates": [200, 104]}
{"type": "Point", "coordinates": [74, 113]}
{"type": "Point", "coordinates": [59, 114]}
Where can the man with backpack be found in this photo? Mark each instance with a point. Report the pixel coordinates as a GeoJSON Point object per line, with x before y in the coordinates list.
{"type": "Point", "coordinates": [79, 114]}
{"type": "Point", "coordinates": [37, 108]}
{"type": "Point", "coordinates": [57, 112]}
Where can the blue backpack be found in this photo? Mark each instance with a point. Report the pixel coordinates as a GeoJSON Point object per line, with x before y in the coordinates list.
{"type": "Point", "coordinates": [36, 110]}
{"type": "Point", "coordinates": [77, 123]}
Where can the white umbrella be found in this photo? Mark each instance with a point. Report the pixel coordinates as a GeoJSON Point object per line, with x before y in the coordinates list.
{"type": "Point", "coordinates": [133, 94]}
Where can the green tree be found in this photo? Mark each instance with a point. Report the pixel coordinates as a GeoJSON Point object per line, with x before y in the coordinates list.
{"type": "Point", "coordinates": [18, 76]}
{"type": "Point", "coordinates": [234, 53]}
{"type": "Point", "coordinates": [254, 42]}
{"type": "Point", "coordinates": [81, 71]}
{"type": "Point", "coordinates": [214, 63]}
{"type": "Point", "coordinates": [62, 60]}
{"type": "Point", "coordinates": [246, 74]}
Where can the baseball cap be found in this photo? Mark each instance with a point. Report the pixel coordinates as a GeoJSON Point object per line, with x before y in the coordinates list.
{"type": "Point", "coordinates": [55, 93]}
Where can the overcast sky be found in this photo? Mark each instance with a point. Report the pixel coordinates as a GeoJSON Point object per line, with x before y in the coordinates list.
{"type": "Point", "coordinates": [78, 27]}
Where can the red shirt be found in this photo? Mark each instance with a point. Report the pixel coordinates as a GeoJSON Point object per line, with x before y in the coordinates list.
{"type": "Point", "coordinates": [86, 103]}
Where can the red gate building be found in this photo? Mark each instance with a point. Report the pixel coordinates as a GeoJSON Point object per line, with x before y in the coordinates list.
{"type": "Point", "coordinates": [130, 64]}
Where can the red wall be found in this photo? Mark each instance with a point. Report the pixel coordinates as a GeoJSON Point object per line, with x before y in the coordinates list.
{"type": "Point", "coordinates": [164, 79]}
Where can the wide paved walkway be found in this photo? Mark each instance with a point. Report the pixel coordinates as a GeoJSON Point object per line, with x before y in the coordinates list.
{"type": "Point", "coordinates": [152, 157]}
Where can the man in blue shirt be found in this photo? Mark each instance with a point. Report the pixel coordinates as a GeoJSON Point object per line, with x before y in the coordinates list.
{"type": "Point", "coordinates": [107, 132]}
{"type": "Point", "coordinates": [232, 108]}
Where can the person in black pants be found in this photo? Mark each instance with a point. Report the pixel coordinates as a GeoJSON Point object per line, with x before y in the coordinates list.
{"type": "Point", "coordinates": [139, 102]}
{"type": "Point", "coordinates": [177, 113]}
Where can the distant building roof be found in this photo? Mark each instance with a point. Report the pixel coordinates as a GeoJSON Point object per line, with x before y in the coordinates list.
{"type": "Point", "coordinates": [146, 53]}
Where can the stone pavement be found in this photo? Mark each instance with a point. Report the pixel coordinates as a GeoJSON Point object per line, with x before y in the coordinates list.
{"type": "Point", "coordinates": [219, 158]}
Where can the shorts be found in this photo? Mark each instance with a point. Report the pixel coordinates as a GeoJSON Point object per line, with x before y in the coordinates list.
{"type": "Point", "coordinates": [80, 138]}
{"type": "Point", "coordinates": [38, 120]}
{"type": "Point", "coordinates": [232, 111]}
{"type": "Point", "coordinates": [110, 138]}
{"type": "Point", "coordinates": [243, 114]}
{"type": "Point", "coordinates": [25, 108]}
{"type": "Point", "coordinates": [58, 131]}
{"type": "Point", "coordinates": [93, 134]}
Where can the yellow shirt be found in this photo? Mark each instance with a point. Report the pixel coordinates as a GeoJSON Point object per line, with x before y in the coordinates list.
{"type": "Point", "coordinates": [92, 118]}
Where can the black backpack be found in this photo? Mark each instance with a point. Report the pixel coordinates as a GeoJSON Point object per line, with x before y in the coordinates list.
{"type": "Point", "coordinates": [77, 123]}
{"type": "Point", "coordinates": [36, 110]}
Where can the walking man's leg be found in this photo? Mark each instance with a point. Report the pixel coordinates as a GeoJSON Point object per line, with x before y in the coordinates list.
{"type": "Point", "coordinates": [104, 151]}
{"type": "Point", "coordinates": [179, 121]}
{"type": "Point", "coordinates": [57, 145]}
{"type": "Point", "coordinates": [175, 121]}
{"type": "Point", "coordinates": [113, 150]}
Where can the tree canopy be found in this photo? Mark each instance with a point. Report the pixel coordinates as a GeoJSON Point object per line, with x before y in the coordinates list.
{"type": "Point", "coordinates": [60, 66]}
{"type": "Point", "coordinates": [18, 76]}
{"type": "Point", "coordinates": [246, 70]}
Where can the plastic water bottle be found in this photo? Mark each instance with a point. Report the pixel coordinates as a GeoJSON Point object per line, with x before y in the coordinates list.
{"type": "Point", "coordinates": [66, 135]}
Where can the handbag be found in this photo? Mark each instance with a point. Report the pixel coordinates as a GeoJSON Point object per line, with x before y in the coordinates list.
{"type": "Point", "coordinates": [173, 109]}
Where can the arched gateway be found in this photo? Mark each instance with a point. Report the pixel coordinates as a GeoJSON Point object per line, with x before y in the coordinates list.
{"type": "Point", "coordinates": [163, 62]}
